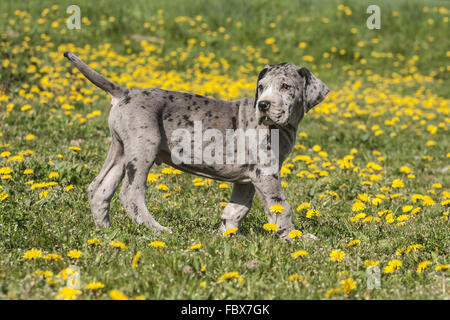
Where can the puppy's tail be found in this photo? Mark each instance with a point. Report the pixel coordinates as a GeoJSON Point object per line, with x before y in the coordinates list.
{"type": "Point", "coordinates": [113, 89]}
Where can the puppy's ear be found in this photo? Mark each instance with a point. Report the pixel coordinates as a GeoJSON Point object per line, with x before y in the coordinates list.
{"type": "Point", "coordinates": [314, 90]}
{"type": "Point", "coordinates": [260, 76]}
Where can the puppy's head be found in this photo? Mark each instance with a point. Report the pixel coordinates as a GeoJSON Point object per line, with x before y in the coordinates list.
{"type": "Point", "coordinates": [285, 92]}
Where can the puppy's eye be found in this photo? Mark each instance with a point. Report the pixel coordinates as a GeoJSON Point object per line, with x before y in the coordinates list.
{"type": "Point", "coordinates": [285, 86]}
{"type": "Point", "coordinates": [260, 87]}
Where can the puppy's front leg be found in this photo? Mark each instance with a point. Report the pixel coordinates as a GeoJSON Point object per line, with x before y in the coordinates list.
{"type": "Point", "coordinates": [276, 206]}
{"type": "Point", "coordinates": [238, 206]}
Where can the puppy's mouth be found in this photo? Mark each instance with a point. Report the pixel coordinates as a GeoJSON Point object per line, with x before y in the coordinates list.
{"type": "Point", "coordinates": [265, 120]}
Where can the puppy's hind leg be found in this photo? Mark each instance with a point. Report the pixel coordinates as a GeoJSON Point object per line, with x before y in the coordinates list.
{"type": "Point", "coordinates": [139, 158]}
{"type": "Point", "coordinates": [102, 188]}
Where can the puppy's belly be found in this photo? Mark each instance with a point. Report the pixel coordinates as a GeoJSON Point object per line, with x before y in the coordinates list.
{"type": "Point", "coordinates": [223, 172]}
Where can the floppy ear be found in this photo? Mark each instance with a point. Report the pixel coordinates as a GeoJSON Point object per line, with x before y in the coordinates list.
{"type": "Point", "coordinates": [260, 76]}
{"type": "Point", "coordinates": [314, 90]}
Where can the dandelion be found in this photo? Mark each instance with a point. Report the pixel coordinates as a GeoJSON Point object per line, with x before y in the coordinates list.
{"type": "Point", "coordinates": [299, 253]}
{"type": "Point", "coordinates": [397, 183]}
{"type": "Point", "coordinates": [32, 254]}
{"type": "Point", "coordinates": [74, 254]}
{"type": "Point", "coordinates": [442, 267]}
{"type": "Point", "coordinates": [270, 227]}
{"type": "Point", "coordinates": [68, 293]}
{"type": "Point", "coordinates": [93, 241]}
{"type": "Point", "coordinates": [348, 285]}
{"type": "Point", "coordinates": [337, 255]}
{"type": "Point", "coordinates": [195, 247]}
{"type": "Point", "coordinates": [162, 187]}
{"type": "Point", "coordinates": [393, 266]}
{"type": "Point", "coordinates": [371, 263]}
{"type": "Point", "coordinates": [118, 244]}
{"type": "Point", "coordinates": [117, 295]}
{"type": "Point", "coordinates": [294, 234]}
{"type": "Point", "coordinates": [223, 186]}
{"type": "Point", "coordinates": [135, 261]}
{"type": "Point", "coordinates": [277, 208]}
{"type": "Point", "coordinates": [303, 206]}
{"type": "Point", "coordinates": [413, 247]}
{"type": "Point", "coordinates": [230, 275]}
{"type": "Point", "coordinates": [353, 243]}
{"type": "Point", "coordinates": [94, 286]}
{"type": "Point", "coordinates": [46, 273]}
{"type": "Point", "coordinates": [358, 206]}
{"type": "Point", "coordinates": [332, 292]}
{"type": "Point", "coordinates": [407, 208]}
{"type": "Point", "coordinates": [53, 256]}
{"type": "Point", "coordinates": [422, 265]}
{"type": "Point", "coordinates": [230, 231]}
{"type": "Point", "coordinates": [157, 244]}
{"type": "Point", "coordinates": [74, 148]}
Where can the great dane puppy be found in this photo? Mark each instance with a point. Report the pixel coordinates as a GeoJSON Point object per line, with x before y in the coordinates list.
{"type": "Point", "coordinates": [144, 122]}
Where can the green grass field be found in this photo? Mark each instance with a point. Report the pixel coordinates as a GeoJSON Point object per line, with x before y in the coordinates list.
{"type": "Point", "coordinates": [372, 159]}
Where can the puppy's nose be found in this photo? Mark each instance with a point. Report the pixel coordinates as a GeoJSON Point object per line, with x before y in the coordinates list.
{"type": "Point", "coordinates": [263, 105]}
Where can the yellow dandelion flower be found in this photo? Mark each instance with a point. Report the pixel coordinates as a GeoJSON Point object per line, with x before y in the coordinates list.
{"type": "Point", "coordinates": [94, 286]}
{"type": "Point", "coordinates": [162, 187]}
{"type": "Point", "coordinates": [304, 205]}
{"type": "Point", "coordinates": [117, 295]}
{"type": "Point", "coordinates": [294, 234]}
{"type": "Point", "coordinates": [371, 263]}
{"type": "Point", "coordinates": [195, 247]}
{"type": "Point", "coordinates": [413, 247]}
{"type": "Point", "coordinates": [332, 292]}
{"type": "Point", "coordinates": [135, 261]}
{"type": "Point", "coordinates": [68, 293]}
{"type": "Point", "coordinates": [230, 275]}
{"type": "Point", "coordinates": [277, 208]}
{"type": "Point", "coordinates": [422, 265]}
{"type": "Point", "coordinates": [353, 243]}
{"type": "Point", "coordinates": [358, 206]}
{"type": "Point", "coordinates": [32, 254]}
{"type": "Point", "coordinates": [337, 255]}
{"type": "Point", "coordinates": [118, 244]}
{"type": "Point", "coordinates": [397, 183]}
{"type": "Point", "coordinates": [348, 285]}
{"type": "Point", "coordinates": [74, 254]}
{"type": "Point", "coordinates": [53, 256]}
{"type": "Point", "coordinates": [299, 253]}
{"type": "Point", "coordinates": [230, 231]}
{"type": "Point", "coordinates": [442, 267]}
{"type": "Point", "coordinates": [270, 227]}
{"type": "Point", "coordinates": [93, 241]}
{"type": "Point", "coordinates": [157, 244]}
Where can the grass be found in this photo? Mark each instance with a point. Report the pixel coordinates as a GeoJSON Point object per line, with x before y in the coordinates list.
{"type": "Point", "coordinates": [395, 78]}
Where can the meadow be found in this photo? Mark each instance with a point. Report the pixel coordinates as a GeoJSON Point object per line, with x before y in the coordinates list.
{"type": "Point", "coordinates": [369, 174]}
